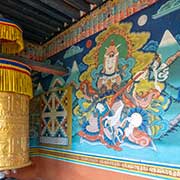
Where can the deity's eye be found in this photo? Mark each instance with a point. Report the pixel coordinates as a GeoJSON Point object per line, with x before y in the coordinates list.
{"type": "Point", "coordinates": [111, 55]}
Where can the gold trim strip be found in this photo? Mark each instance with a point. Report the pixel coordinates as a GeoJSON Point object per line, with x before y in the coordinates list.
{"type": "Point", "coordinates": [145, 169]}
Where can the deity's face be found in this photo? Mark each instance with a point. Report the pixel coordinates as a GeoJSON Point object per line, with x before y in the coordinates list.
{"type": "Point", "coordinates": [110, 63]}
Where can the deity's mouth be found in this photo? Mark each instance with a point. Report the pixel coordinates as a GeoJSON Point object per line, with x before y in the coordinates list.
{"type": "Point", "coordinates": [110, 67]}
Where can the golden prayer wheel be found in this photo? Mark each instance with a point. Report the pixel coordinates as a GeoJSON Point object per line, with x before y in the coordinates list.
{"type": "Point", "coordinates": [15, 92]}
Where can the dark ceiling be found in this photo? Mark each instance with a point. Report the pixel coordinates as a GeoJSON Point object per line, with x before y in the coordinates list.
{"type": "Point", "coordinates": [40, 20]}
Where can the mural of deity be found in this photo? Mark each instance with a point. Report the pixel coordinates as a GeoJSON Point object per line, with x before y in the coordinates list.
{"type": "Point", "coordinates": [121, 100]}
{"type": "Point", "coordinates": [126, 93]}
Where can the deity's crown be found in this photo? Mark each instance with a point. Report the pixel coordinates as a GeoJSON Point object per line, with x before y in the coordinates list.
{"type": "Point", "coordinates": [112, 49]}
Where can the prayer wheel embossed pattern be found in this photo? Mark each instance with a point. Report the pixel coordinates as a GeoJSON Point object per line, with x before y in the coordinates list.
{"type": "Point", "coordinates": [15, 92]}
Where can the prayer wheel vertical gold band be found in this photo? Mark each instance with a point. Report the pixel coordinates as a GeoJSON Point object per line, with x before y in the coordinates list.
{"type": "Point", "coordinates": [14, 130]}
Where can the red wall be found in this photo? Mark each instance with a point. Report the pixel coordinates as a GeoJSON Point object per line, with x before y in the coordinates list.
{"type": "Point", "coordinates": [49, 169]}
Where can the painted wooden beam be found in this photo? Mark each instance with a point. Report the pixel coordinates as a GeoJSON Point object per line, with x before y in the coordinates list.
{"type": "Point", "coordinates": [39, 66]}
{"type": "Point", "coordinates": [33, 37]}
{"type": "Point", "coordinates": [63, 8]}
{"type": "Point", "coordinates": [47, 10]}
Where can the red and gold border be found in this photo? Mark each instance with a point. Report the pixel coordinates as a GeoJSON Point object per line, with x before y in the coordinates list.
{"type": "Point", "coordinates": [139, 168]}
{"type": "Point", "coordinates": [15, 77]}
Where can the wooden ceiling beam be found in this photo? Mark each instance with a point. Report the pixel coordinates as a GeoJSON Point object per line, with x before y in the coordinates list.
{"type": "Point", "coordinates": [30, 36]}
{"type": "Point", "coordinates": [63, 8]}
{"type": "Point", "coordinates": [47, 10]}
{"type": "Point", "coordinates": [14, 12]}
{"type": "Point", "coordinates": [79, 4]}
{"type": "Point", "coordinates": [39, 66]}
{"type": "Point", "coordinates": [26, 26]}
{"type": "Point", "coordinates": [29, 11]}
{"type": "Point", "coordinates": [97, 2]}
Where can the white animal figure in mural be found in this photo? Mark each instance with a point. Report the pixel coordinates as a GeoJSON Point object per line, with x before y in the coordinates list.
{"type": "Point", "coordinates": [113, 120]}
{"type": "Point", "coordinates": [133, 133]}
{"type": "Point", "coordinates": [112, 124]}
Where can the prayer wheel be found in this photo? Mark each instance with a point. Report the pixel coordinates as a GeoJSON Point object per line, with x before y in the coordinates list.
{"type": "Point", "coordinates": [15, 93]}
